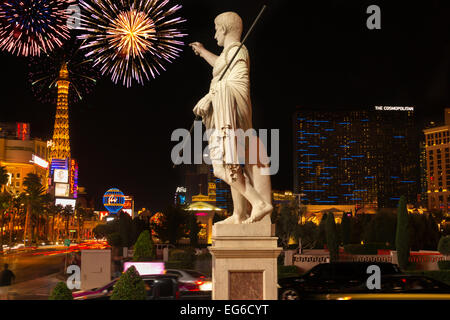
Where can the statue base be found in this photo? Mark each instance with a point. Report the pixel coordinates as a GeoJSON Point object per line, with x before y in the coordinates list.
{"type": "Point", "coordinates": [244, 260]}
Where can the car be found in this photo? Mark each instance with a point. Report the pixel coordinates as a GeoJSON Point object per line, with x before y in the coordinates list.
{"type": "Point", "coordinates": [329, 278]}
{"type": "Point", "coordinates": [192, 284]}
{"type": "Point", "coordinates": [95, 292]}
{"type": "Point", "coordinates": [157, 287]}
{"type": "Point", "coordinates": [399, 286]}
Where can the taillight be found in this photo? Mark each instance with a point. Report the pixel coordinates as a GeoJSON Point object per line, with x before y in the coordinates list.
{"type": "Point", "coordinates": [187, 286]}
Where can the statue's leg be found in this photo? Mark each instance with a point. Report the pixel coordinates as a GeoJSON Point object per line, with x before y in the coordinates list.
{"type": "Point", "coordinates": [260, 181]}
{"type": "Point", "coordinates": [242, 185]}
{"type": "Point", "coordinates": [240, 204]}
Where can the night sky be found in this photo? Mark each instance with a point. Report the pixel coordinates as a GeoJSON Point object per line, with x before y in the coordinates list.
{"type": "Point", "coordinates": [309, 54]}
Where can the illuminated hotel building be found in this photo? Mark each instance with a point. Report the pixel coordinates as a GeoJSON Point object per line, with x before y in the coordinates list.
{"type": "Point", "coordinates": [437, 145]}
{"type": "Point", "coordinates": [200, 180]}
{"type": "Point", "coordinates": [367, 158]}
{"type": "Point", "coordinates": [22, 155]}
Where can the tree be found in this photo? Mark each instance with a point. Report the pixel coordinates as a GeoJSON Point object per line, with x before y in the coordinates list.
{"type": "Point", "coordinates": [144, 250]}
{"type": "Point", "coordinates": [432, 239]}
{"type": "Point", "coordinates": [345, 228]}
{"type": "Point", "coordinates": [114, 239]}
{"type": "Point", "coordinates": [137, 226]}
{"type": "Point", "coordinates": [53, 211]}
{"type": "Point", "coordinates": [125, 226]}
{"type": "Point", "coordinates": [3, 178]}
{"type": "Point", "coordinates": [130, 286]}
{"type": "Point", "coordinates": [307, 234]}
{"type": "Point", "coordinates": [5, 202]}
{"type": "Point", "coordinates": [321, 237]}
{"type": "Point", "coordinates": [105, 229]}
{"type": "Point", "coordinates": [331, 236]}
{"type": "Point", "coordinates": [67, 212]}
{"type": "Point", "coordinates": [172, 226]}
{"type": "Point", "coordinates": [402, 236]}
{"type": "Point", "coordinates": [193, 228]}
{"type": "Point", "coordinates": [287, 222]}
{"type": "Point", "coordinates": [380, 228]}
{"type": "Point", "coordinates": [437, 214]}
{"type": "Point", "coordinates": [61, 292]}
{"type": "Point", "coordinates": [416, 231]}
{"type": "Point", "coordinates": [17, 207]}
{"type": "Point", "coordinates": [33, 198]}
{"type": "Point", "coordinates": [444, 249]}
{"type": "Point", "coordinates": [82, 214]}
{"type": "Point", "coordinates": [444, 245]}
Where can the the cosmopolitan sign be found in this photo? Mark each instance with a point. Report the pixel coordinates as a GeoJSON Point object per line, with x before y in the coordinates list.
{"type": "Point", "coordinates": [394, 108]}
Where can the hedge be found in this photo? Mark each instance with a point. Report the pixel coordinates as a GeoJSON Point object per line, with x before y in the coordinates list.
{"type": "Point", "coordinates": [367, 248]}
{"type": "Point", "coordinates": [61, 292]}
{"type": "Point", "coordinates": [130, 286]}
{"type": "Point", "coordinates": [287, 271]}
{"type": "Point", "coordinates": [442, 275]}
{"type": "Point", "coordinates": [444, 265]}
{"type": "Point", "coordinates": [183, 259]}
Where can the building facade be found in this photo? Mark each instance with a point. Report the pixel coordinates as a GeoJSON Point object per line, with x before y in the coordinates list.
{"type": "Point", "coordinates": [200, 180]}
{"type": "Point", "coordinates": [22, 155]}
{"type": "Point", "coordinates": [437, 155]}
{"type": "Point", "coordinates": [367, 158]}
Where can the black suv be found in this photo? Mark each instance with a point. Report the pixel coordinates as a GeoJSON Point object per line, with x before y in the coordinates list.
{"type": "Point", "coordinates": [329, 278]}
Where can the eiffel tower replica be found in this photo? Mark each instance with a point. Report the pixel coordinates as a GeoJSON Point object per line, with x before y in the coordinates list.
{"type": "Point", "coordinates": [60, 148]}
{"type": "Point", "coordinates": [60, 156]}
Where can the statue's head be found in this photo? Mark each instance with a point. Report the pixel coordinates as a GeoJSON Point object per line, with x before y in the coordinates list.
{"type": "Point", "coordinates": [228, 24]}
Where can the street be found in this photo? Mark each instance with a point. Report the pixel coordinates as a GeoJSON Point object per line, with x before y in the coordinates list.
{"type": "Point", "coordinates": [27, 266]}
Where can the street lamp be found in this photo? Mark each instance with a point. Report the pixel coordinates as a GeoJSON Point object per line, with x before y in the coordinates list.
{"type": "Point", "coordinates": [299, 195]}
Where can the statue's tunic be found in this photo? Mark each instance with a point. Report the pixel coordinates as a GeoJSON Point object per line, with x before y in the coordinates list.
{"type": "Point", "coordinates": [231, 107]}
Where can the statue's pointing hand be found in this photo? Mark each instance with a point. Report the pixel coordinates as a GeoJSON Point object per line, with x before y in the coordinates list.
{"type": "Point", "coordinates": [197, 47]}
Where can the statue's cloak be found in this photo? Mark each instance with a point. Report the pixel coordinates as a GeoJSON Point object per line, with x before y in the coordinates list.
{"type": "Point", "coordinates": [231, 107]}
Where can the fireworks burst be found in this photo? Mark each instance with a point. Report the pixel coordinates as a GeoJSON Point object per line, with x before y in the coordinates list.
{"type": "Point", "coordinates": [44, 73]}
{"type": "Point", "coordinates": [130, 39]}
{"type": "Point", "coordinates": [29, 26]}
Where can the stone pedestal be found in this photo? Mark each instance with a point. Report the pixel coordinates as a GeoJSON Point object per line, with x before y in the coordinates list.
{"type": "Point", "coordinates": [244, 261]}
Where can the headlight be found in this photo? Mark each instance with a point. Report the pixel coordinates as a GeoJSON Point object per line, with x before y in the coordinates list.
{"type": "Point", "coordinates": [207, 286]}
{"type": "Point", "coordinates": [344, 298]}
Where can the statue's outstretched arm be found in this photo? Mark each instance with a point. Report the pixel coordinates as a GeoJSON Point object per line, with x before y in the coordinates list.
{"type": "Point", "coordinates": [200, 50]}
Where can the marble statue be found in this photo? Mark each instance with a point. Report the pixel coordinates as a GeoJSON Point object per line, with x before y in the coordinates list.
{"type": "Point", "coordinates": [225, 109]}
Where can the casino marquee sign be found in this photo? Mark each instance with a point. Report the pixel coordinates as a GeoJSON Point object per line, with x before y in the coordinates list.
{"type": "Point", "coordinates": [113, 200]}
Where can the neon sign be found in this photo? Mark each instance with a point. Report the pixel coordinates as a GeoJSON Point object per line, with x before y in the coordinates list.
{"type": "Point", "coordinates": [113, 200]}
{"type": "Point", "coordinates": [39, 161]}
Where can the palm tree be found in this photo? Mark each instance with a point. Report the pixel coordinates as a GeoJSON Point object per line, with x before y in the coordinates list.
{"type": "Point", "coordinates": [17, 210]}
{"type": "Point", "coordinates": [5, 201]}
{"type": "Point", "coordinates": [48, 204]}
{"type": "Point", "coordinates": [67, 212]}
{"type": "Point", "coordinates": [53, 211]}
{"type": "Point", "coordinates": [34, 192]}
{"type": "Point", "coordinates": [3, 178]}
{"type": "Point", "coordinates": [82, 214]}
